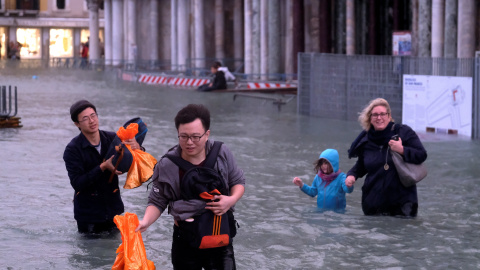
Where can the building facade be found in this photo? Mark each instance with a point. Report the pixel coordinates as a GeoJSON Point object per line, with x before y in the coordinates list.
{"type": "Point", "coordinates": [250, 36]}
{"type": "Point", "coordinates": [43, 29]}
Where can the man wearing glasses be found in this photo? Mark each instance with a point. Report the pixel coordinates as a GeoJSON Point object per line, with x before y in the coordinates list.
{"type": "Point", "coordinates": [193, 124]}
{"type": "Point", "coordinates": [96, 200]}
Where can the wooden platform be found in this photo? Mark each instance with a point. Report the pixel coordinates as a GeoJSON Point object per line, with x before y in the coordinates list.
{"type": "Point", "coordinates": [10, 122]}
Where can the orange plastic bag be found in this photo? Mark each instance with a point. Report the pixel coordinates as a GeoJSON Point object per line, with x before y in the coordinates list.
{"type": "Point", "coordinates": [131, 252]}
{"type": "Point", "coordinates": [143, 163]}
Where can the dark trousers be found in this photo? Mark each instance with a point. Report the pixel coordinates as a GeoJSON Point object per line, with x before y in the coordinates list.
{"type": "Point", "coordinates": [206, 88]}
{"type": "Point", "coordinates": [93, 228]}
{"type": "Point", "coordinates": [186, 257]}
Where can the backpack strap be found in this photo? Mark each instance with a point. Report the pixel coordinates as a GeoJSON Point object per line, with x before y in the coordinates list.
{"type": "Point", "coordinates": [180, 162]}
{"type": "Point", "coordinates": [212, 155]}
{"type": "Point", "coordinates": [209, 160]}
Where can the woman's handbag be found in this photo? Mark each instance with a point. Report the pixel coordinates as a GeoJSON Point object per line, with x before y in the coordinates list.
{"type": "Point", "coordinates": [409, 173]}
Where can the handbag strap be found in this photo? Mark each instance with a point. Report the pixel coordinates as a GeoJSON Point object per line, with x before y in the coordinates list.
{"type": "Point", "coordinates": [394, 128]}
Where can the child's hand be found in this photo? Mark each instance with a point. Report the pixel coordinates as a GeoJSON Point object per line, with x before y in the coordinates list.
{"type": "Point", "coordinates": [350, 181]}
{"type": "Point", "coordinates": [297, 181]}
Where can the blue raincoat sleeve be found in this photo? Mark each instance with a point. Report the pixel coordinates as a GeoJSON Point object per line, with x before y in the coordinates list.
{"type": "Point", "coordinates": [344, 186]}
{"type": "Point", "coordinates": [311, 191]}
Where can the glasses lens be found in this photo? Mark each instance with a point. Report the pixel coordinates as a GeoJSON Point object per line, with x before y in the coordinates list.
{"type": "Point", "coordinates": [376, 115]}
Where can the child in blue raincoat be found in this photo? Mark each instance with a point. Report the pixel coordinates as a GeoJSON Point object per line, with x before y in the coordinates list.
{"type": "Point", "coordinates": [329, 183]}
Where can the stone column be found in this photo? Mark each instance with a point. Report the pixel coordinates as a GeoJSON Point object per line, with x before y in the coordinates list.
{"type": "Point", "coordinates": [174, 32]}
{"type": "Point", "coordinates": [256, 37]}
{"type": "Point", "coordinates": [199, 33]}
{"type": "Point", "coordinates": [117, 32]}
{"type": "Point", "coordinates": [467, 15]}
{"type": "Point", "coordinates": [325, 21]}
{"type": "Point", "coordinates": [126, 45]}
{"type": "Point", "coordinates": [45, 32]}
{"type": "Point", "coordinates": [361, 39]}
{"type": "Point", "coordinates": [183, 33]}
{"type": "Point", "coordinates": [248, 66]}
{"type": "Point", "coordinates": [264, 39]}
{"type": "Point", "coordinates": [340, 26]}
{"type": "Point", "coordinates": [94, 44]}
{"type": "Point", "coordinates": [154, 30]}
{"type": "Point", "coordinates": [424, 27]}
{"type": "Point", "coordinates": [372, 27]}
{"type": "Point", "coordinates": [289, 57]}
{"type": "Point", "coordinates": [219, 31]}
{"type": "Point", "coordinates": [438, 10]}
{"type": "Point", "coordinates": [237, 32]}
{"type": "Point", "coordinates": [450, 36]}
{"type": "Point", "coordinates": [298, 36]}
{"type": "Point", "coordinates": [77, 44]}
{"type": "Point", "coordinates": [12, 34]}
{"type": "Point", "coordinates": [132, 33]}
{"type": "Point", "coordinates": [107, 7]}
{"type": "Point", "coordinates": [350, 33]}
{"type": "Point", "coordinates": [312, 42]}
{"type": "Point", "coordinates": [273, 36]}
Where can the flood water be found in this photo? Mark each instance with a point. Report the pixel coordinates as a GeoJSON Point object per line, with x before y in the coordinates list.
{"type": "Point", "coordinates": [280, 226]}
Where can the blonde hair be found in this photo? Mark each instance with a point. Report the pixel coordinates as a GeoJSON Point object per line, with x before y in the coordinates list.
{"type": "Point", "coordinates": [365, 115]}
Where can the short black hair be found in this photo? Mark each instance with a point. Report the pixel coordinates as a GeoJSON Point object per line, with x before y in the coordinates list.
{"type": "Point", "coordinates": [216, 65]}
{"type": "Point", "coordinates": [191, 112]}
{"type": "Point", "coordinates": [78, 107]}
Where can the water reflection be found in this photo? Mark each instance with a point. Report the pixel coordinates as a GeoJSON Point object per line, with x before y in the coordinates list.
{"type": "Point", "coordinates": [94, 251]}
{"type": "Point", "coordinates": [280, 227]}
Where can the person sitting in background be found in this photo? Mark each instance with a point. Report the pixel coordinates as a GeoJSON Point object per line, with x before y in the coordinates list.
{"type": "Point", "coordinates": [228, 75]}
{"type": "Point", "coordinates": [218, 81]}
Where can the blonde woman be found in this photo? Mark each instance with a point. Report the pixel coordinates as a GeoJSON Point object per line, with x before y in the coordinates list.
{"type": "Point", "coordinates": [382, 192]}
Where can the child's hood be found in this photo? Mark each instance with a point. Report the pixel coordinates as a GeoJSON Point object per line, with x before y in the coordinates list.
{"type": "Point", "coordinates": [332, 156]}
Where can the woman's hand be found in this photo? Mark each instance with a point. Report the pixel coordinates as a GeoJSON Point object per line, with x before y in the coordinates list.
{"type": "Point", "coordinates": [349, 181]}
{"type": "Point", "coordinates": [396, 146]}
{"type": "Point", "coordinates": [297, 181]}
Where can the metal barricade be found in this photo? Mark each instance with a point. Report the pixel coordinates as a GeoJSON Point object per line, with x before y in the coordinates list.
{"type": "Point", "coordinates": [8, 112]}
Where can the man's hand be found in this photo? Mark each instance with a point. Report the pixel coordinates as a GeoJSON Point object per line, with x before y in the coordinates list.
{"type": "Point", "coordinates": [220, 204]}
{"type": "Point", "coordinates": [108, 165]}
{"type": "Point", "coordinates": [142, 226]}
{"type": "Point", "coordinates": [133, 143]}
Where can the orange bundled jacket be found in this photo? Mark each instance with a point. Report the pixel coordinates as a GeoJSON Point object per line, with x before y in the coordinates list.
{"type": "Point", "coordinates": [143, 163]}
{"type": "Point", "coordinates": [131, 253]}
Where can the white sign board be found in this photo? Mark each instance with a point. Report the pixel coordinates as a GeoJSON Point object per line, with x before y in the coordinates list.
{"type": "Point", "coordinates": [439, 104]}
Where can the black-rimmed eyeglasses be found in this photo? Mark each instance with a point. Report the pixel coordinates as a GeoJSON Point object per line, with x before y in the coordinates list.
{"type": "Point", "coordinates": [92, 116]}
{"type": "Point", "coordinates": [376, 115]}
{"type": "Point", "coordinates": [194, 138]}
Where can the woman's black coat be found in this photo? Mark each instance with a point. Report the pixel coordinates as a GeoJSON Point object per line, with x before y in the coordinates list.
{"type": "Point", "coordinates": [382, 192]}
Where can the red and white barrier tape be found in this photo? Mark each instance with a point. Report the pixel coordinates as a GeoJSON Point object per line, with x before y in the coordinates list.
{"type": "Point", "coordinates": [174, 81]}
{"type": "Point", "coordinates": [255, 85]}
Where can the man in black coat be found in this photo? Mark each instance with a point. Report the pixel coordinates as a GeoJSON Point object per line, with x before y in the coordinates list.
{"type": "Point", "coordinates": [96, 200]}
